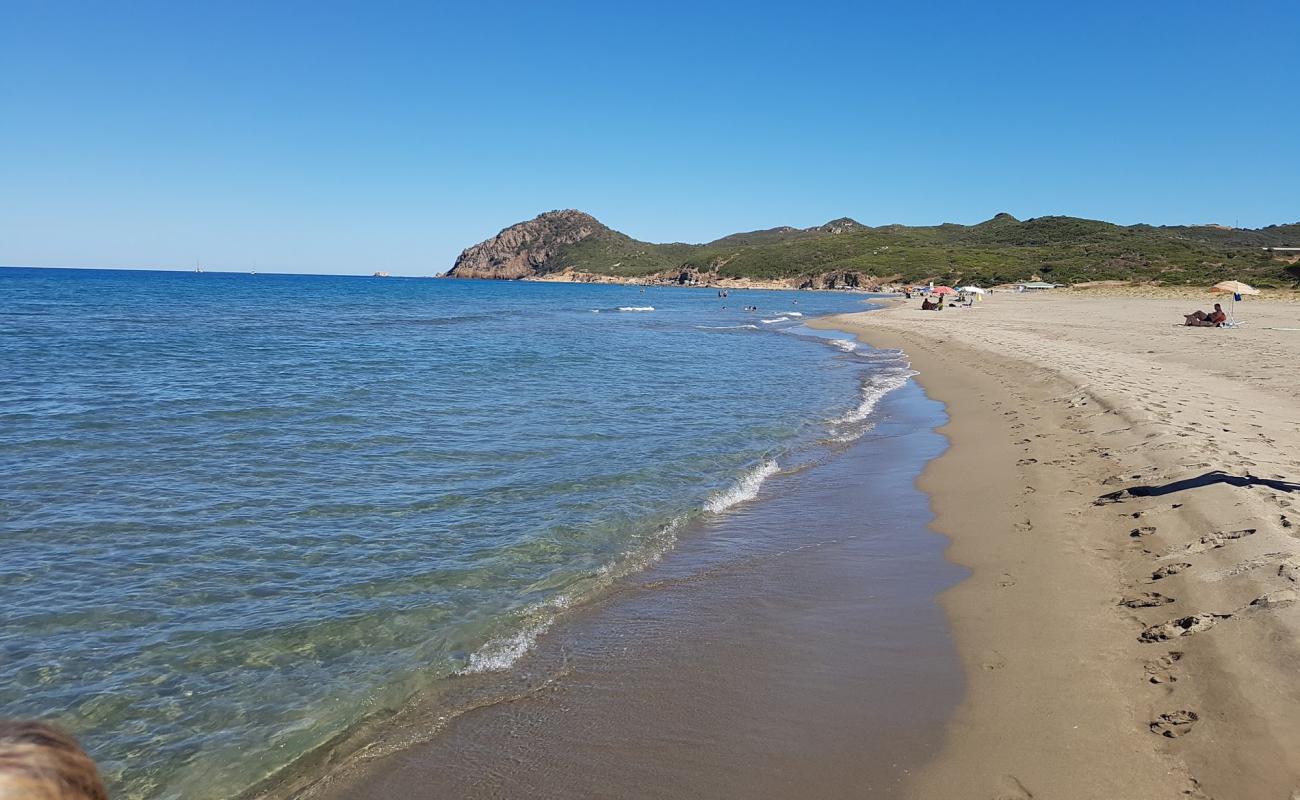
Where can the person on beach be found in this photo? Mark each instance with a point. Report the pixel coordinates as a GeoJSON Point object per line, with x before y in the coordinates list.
{"type": "Point", "coordinates": [1200, 319]}
{"type": "Point", "coordinates": [926, 305]}
{"type": "Point", "coordinates": [40, 762]}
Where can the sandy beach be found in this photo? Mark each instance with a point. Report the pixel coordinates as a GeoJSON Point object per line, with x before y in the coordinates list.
{"type": "Point", "coordinates": [1123, 490]}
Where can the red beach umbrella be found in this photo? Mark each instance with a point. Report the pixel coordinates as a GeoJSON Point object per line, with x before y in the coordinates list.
{"type": "Point", "coordinates": [944, 290]}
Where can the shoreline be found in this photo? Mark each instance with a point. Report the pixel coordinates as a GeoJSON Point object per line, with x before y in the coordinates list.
{"type": "Point", "coordinates": [710, 661]}
{"type": "Point", "coordinates": [1080, 682]}
{"type": "Point", "coordinates": [776, 285]}
{"type": "Point", "coordinates": [887, 290]}
{"type": "Point", "coordinates": [739, 284]}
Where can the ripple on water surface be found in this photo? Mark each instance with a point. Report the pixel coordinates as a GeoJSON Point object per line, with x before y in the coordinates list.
{"type": "Point", "coordinates": [242, 513]}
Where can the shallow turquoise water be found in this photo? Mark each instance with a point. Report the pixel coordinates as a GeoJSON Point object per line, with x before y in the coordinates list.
{"type": "Point", "coordinates": [242, 512]}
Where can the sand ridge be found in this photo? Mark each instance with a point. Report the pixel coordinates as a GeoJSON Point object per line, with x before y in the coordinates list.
{"type": "Point", "coordinates": [1123, 490]}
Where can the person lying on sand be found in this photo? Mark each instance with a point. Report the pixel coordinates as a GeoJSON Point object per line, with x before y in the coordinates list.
{"type": "Point", "coordinates": [1200, 319]}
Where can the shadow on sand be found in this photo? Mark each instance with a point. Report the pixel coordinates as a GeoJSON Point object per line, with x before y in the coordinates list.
{"type": "Point", "coordinates": [1208, 479]}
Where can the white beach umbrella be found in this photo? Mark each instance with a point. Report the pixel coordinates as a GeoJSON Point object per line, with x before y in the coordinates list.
{"type": "Point", "coordinates": [971, 290]}
{"type": "Point", "coordinates": [1236, 289]}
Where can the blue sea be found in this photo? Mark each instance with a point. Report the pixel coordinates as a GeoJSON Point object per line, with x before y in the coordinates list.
{"type": "Point", "coordinates": [242, 513]}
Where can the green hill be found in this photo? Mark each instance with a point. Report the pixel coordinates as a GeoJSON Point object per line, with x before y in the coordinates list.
{"type": "Point", "coordinates": [999, 250]}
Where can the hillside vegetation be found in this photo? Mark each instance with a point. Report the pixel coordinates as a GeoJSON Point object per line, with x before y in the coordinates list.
{"type": "Point", "coordinates": [1000, 250]}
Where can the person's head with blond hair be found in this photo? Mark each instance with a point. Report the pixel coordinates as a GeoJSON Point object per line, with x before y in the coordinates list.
{"type": "Point", "coordinates": [39, 762]}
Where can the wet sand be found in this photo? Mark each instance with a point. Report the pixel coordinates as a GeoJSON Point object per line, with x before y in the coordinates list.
{"type": "Point", "coordinates": [793, 648]}
{"type": "Point", "coordinates": [1124, 491]}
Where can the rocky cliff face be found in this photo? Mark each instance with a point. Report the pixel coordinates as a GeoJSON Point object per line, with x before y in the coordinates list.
{"type": "Point", "coordinates": [840, 279]}
{"type": "Point", "coordinates": [539, 250]}
{"type": "Point", "coordinates": [524, 250]}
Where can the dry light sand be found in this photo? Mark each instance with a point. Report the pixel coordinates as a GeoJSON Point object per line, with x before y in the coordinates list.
{"type": "Point", "coordinates": [1125, 493]}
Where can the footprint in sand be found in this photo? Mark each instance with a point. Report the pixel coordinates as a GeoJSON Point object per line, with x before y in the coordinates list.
{"type": "Point", "coordinates": [1169, 569]}
{"type": "Point", "coordinates": [992, 660]}
{"type": "Point", "coordinates": [1213, 541]}
{"type": "Point", "coordinates": [1159, 670]}
{"type": "Point", "coordinates": [1145, 530]}
{"type": "Point", "coordinates": [1182, 626]}
{"type": "Point", "coordinates": [1174, 724]}
{"type": "Point", "coordinates": [1279, 598]}
{"type": "Point", "coordinates": [1146, 600]}
{"type": "Point", "coordinates": [1111, 497]}
{"type": "Point", "coordinates": [1247, 565]}
{"type": "Point", "coordinates": [1006, 581]}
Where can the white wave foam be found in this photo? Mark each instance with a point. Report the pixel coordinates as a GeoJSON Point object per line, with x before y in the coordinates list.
{"type": "Point", "coordinates": [844, 344]}
{"type": "Point", "coordinates": [851, 436]}
{"type": "Point", "coordinates": [744, 489]}
{"type": "Point", "coordinates": [881, 385]}
{"type": "Point", "coordinates": [793, 313]}
{"type": "Point", "coordinates": [501, 654]}
{"type": "Point", "coordinates": [651, 550]}
{"type": "Point", "coordinates": [636, 308]}
{"type": "Point", "coordinates": [778, 319]}
{"type": "Point", "coordinates": [726, 327]}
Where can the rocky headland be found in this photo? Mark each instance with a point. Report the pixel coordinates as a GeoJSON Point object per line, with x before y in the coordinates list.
{"type": "Point", "coordinates": [572, 246]}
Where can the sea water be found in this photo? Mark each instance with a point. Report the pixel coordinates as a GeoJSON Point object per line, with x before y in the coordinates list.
{"type": "Point", "coordinates": [241, 513]}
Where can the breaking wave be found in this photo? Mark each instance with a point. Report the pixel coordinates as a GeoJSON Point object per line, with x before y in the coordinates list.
{"type": "Point", "coordinates": [744, 489]}
{"type": "Point", "coordinates": [873, 390]}
{"type": "Point", "coordinates": [501, 654]}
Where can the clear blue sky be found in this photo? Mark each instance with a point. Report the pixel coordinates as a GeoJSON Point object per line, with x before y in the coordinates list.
{"type": "Point", "coordinates": [352, 137]}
